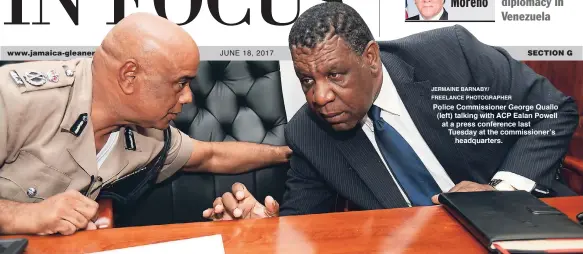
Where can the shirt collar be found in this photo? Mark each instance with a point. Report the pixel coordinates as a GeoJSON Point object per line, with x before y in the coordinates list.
{"type": "Point", "coordinates": [436, 17]}
{"type": "Point", "coordinates": [81, 94]}
{"type": "Point", "coordinates": [388, 99]}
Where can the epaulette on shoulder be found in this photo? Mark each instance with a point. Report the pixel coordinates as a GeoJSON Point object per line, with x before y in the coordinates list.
{"type": "Point", "coordinates": [41, 75]}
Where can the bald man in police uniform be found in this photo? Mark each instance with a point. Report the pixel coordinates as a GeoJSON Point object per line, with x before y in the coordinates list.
{"type": "Point", "coordinates": [72, 130]}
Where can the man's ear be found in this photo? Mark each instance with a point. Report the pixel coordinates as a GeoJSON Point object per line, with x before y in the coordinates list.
{"type": "Point", "coordinates": [372, 58]}
{"type": "Point", "coordinates": [127, 76]}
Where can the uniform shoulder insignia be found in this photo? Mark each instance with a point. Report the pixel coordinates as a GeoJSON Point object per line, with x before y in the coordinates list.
{"type": "Point", "coordinates": [41, 75]}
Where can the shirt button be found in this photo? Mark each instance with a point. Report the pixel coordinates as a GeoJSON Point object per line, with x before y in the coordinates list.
{"type": "Point", "coordinates": [31, 192]}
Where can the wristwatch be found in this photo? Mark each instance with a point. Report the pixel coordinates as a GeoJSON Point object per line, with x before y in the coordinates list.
{"type": "Point", "coordinates": [501, 185]}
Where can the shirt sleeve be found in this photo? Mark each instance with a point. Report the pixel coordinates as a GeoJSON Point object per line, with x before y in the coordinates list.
{"type": "Point", "coordinates": [516, 181]}
{"type": "Point", "coordinates": [179, 153]}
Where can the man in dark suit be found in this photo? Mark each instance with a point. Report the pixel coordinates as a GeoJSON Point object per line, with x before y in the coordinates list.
{"type": "Point", "coordinates": [369, 131]}
{"type": "Point", "coordinates": [430, 10]}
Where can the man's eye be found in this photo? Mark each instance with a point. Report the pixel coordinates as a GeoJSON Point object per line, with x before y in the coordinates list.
{"type": "Point", "coordinates": [307, 82]}
{"type": "Point", "coordinates": [334, 75]}
{"type": "Point", "coordinates": [182, 85]}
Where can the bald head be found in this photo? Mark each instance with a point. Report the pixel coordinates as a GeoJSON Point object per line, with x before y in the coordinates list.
{"type": "Point", "coordinates": [148, 39]}
{"type": "Point", "coordinates": [146, 62]}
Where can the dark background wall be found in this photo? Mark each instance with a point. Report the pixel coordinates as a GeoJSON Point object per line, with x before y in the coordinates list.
{"type": "Point", "coordinates": [567, 76]}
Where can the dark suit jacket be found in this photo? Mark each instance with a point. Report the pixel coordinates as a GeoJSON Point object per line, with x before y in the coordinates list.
{"type": "Point", "coordinates": [444, 16]}
{"type": "Point", "coordinates": [328, 165]}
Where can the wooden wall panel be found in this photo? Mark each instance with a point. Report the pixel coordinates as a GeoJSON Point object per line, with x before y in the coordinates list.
{"type": "Point", "coordinates": [567, 76]}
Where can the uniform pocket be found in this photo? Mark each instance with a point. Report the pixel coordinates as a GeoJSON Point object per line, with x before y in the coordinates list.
{"type": "Point", "coordinates": [28, 179]}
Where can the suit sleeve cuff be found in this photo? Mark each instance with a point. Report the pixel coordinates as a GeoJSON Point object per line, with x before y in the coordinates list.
{"type": "Point", "coordinates": [517, 182]}
{"type": "Point", "coordinates": [178, 155]}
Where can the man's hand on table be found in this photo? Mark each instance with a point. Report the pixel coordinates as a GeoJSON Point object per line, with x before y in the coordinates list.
{"type": "Point", "coordinates": [466, 186]}
{"type": "Point", "coordinates": [240, 204]}
{"type": "Point", "coordinates": [64, 213]}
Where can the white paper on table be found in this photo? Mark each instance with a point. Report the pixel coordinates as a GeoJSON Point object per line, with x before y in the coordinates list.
{"type": "Point", "coordinates": [207, 244]}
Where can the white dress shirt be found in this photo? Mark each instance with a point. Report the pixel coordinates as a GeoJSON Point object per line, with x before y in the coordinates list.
{"type": "Point", "coordinates": [436, 17]}
{"type": "Point", "coordinates": [393, 111]}
{"type": "Point", "coordinates": [107, 148]}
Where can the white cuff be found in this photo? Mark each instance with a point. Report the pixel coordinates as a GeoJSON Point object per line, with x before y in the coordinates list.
{"type": "Point", "coordinates": [517, 181]}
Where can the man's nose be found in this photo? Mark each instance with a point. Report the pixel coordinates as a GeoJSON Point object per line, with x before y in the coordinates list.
{"type": "Point", "coordinates": [185, 95]}
{"type": "Point", "coordinates": [323, 94]}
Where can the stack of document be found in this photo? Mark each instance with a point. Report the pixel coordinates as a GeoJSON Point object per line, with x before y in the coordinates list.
{"type": "Point", "coordinates": [207, 244]}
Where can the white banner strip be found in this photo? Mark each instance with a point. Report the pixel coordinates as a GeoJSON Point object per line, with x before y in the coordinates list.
{"type": "Point", "coordinates": [219, 53]}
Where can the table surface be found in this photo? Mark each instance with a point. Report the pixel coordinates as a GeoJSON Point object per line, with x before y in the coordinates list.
{"type": "Point", "coordinates": [406, 230]}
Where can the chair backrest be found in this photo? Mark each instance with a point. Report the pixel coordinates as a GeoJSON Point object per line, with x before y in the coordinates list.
{"type": "Point", "coordinates": [232, 101]}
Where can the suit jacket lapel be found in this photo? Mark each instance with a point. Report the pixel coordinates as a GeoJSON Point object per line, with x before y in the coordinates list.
{"type": "Point", "coordinates": [363, 158]}
{"type": "Point", "coordinates": [444, 16]}
{"type": "Point", "coordinates": [416, 96]}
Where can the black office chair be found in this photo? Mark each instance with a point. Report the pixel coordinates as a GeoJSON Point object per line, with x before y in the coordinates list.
{"type": "Point", "coordinates": [232, 100]}
{"type": "Point", "coordinates": [2, 63]}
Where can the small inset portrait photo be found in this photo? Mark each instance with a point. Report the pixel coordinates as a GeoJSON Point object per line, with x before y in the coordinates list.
{"type": "Point", "coordinates": [425, 10]}
{"type": "Point", "coordinates": [449, 10]}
